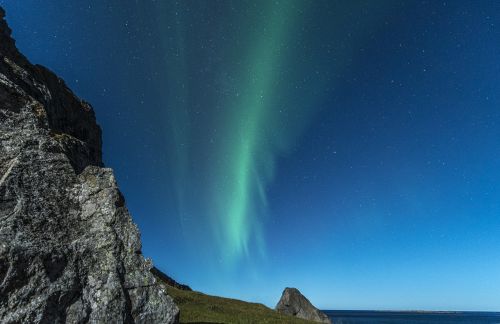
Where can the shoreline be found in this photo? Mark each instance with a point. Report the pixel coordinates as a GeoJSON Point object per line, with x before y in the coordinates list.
{"type": "Point", "coordinates": [409, 311]}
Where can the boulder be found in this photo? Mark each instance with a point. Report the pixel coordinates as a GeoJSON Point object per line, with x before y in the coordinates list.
{"type": "Point", "coordinates": [293, 303]}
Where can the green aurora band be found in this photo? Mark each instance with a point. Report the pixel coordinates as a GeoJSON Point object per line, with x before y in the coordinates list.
{"type": "Point", "coordinates": [249, 153]}
{"type": "Point", "coordinates": [242, 85]}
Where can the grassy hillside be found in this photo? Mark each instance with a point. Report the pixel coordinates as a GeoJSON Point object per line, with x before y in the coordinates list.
{"type": "Point", "coordinates": [200, 308]}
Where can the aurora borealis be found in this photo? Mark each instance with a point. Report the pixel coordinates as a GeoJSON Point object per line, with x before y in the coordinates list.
{"type": "Point", "coordinates": [348, 148]}
{"type": "Point", "coordinates": [260, 91]}
{"type": "Point", "coordinates": [245, 136]}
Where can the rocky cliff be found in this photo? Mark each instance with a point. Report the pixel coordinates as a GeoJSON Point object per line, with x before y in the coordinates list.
{"type": "Point", "coordinates": [69, 251]}
{"type": "Point", "coordinates": [292, 302]}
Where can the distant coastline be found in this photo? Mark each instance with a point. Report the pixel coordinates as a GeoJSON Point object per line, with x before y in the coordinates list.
{"type": "Point", "coordinates": [412, 316]}
{"type": "Point", "coordinates": [410, 311]}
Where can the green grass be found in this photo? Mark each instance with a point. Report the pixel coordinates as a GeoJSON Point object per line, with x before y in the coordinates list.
{"type": "Point", "coordinates": [196, 307]}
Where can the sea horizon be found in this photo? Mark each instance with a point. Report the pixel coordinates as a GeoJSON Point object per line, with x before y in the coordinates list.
{"type": "Point", "coordinates": [410, 311]}
{"type": "Point", "coordinates": [399, 317]}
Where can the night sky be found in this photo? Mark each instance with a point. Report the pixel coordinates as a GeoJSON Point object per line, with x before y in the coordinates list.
{"type": "Point", "coordinates": [346, 148]}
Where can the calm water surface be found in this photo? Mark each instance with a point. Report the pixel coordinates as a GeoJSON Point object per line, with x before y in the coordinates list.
{"type": "Point", "coordinates": [365, 317]}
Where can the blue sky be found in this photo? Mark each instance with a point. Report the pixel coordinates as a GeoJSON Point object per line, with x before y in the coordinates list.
{"type": "Point", "coordinates": [362, 156]}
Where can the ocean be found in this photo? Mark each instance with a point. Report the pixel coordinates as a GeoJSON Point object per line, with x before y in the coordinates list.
{"type": "Point", "coordinates": [382, 317]}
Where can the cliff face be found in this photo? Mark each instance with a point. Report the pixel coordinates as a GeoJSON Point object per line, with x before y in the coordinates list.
{"type": "Point", "coordinates": [69, 251]}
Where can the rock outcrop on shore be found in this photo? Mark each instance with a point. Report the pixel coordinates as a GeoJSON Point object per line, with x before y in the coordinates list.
{"type": "Point", "coordinates": [293, 303]}
{"type": "Point", "coordinates": [69, 251]}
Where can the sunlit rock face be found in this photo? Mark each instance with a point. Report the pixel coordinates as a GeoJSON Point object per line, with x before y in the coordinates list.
{"type": "Point", "coordinates": [292, 302]}
{"type": "Point", "coordinates": [69, 251]}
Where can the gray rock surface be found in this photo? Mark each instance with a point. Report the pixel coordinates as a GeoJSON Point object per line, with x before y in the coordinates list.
{"type": "Point", "coordinates": [69, 251]}
{"type": "Point", "coordinates": [293, 303]}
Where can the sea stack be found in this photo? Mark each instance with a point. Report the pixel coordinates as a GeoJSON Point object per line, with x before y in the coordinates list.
{"type": "Point", "coordinates": [293, 303]}
{"type": "Point", "coordinates": [69, 251]}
